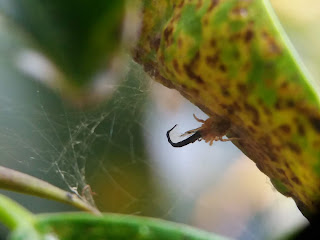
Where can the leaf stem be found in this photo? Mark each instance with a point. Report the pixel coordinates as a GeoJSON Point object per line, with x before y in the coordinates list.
{"type": "Point", "coordinates": [23, 183]}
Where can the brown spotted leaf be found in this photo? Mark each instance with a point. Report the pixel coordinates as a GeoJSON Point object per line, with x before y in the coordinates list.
{"type": "Point", "coordinates": [232, 59]}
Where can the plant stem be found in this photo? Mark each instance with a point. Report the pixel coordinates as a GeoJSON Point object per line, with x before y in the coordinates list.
{"type": "Point", "coordinates": [23, 183]}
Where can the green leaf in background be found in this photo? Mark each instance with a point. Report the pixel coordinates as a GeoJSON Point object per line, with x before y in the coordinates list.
{"type": "Point", "coordinates": [84, 40]}
{"type": "Point", "coordinates": [26, 226]}
{"type": "Point", "coordinates": [116, 226]}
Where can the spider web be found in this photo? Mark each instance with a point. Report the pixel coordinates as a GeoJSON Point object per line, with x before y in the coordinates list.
{"type": "Point", "coordinates": [41, 129]}
{"type": "Point", "coordinates": [119, 149]}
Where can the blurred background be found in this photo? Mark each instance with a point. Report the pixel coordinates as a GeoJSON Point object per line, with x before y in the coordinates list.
{"type": "Point", "coordinates": [120, 150]}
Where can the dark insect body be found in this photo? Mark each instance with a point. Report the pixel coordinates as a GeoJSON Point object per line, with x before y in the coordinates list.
{"type": "Point", "coordinates": [211, 130]}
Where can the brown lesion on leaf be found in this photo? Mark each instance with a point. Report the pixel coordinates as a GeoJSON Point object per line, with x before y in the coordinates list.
{"type": "Point", "coordinates": [301, 129]}
{"type": "Point", "coordinates": [151, 68]}
{"type": "Point", "coordinates": [272, 156]}
{"type": "Point", "coordinates": [235, 37]}
{"type": "Point", "coordinates": [169, 73]}
{"type": "Point", "coordinates": [205, 22]}
{"type": "Point", "coordinates": [266, 109]}
{"type": "Point", "coordinates": [213, 43]}
{"type": "Point", "coordinates": [155, 43]}
{"type": "Point", "coordinates": [315, 122]}
{"type": "Point", "coordinates": [284, 85]}
{"type": "Point", "coordinates": [287, 182]}
{"type": "Point", "coordinates": [272, 44]}
{"type": "Point", "coordinates": [249, 33]}
{"type": "Point", "coordinates": [230, 111]}
{"type": "Point", "coordinates": [252, 130]}
{"type": "Point", "coordinates": [189, 69]}
{"type": "Point", "coordinates": [277, 105]}
{"type": "Point", "coordinates": [212, 61]}
{"type": "Point", "coordinates": [248, 36]}
{"type": "Point", "coordinates": [212, 5]}
{"type": "Point", "coordinates": [225, 92]}
{"type": "Point", "coordinates": [290, 103]}
{"type": "Point", "coordinates": [296, 180]}
{"type": "Point", "coordinates": [294, 147]}
{"type": "Point", "coordinates": [195, 92]}
{"type": "Point", "coordinates": [243, 89]}
{"type": "Point", "coordinates": [175, 18]}
{"type": "Point", "coordinates": [184, 87]}
{"type": "Point", "coordinates": [181, 4]}
{"type": "Point", "coordinates": [228, 108]}
{"type": "Point", "coordinates": [192, 75]}
{"type": "Point", "coordinates": [223, 68]}
{"type": "Point", "coordinates": [176, 66]}
{"type": "Point", "coordinates": [161, 59]}
{"type": "Point", "coordinates": [281, 104]}
{"type": "Point", "coordinates": [167, 34]}
{"type": "Point", "coordinates": [254, 112]}
{"type": "Point", "coordinates": [281, 171]}
{"type": "Point", "coordinates": [285, 128]}
{"type": "Point", "coordinates": [199, 4]}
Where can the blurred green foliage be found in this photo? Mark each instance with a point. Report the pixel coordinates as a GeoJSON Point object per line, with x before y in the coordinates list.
{"type": "Point", "coordinates": [79, 37]}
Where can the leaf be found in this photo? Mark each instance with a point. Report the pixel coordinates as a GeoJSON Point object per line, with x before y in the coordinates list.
{"type": "Point", "coordinates": [116, 226]}
{"type": "Point", "coordinates": [85, 226]}
{"type": "Point", "coordinates": [84, 40]}
{"type": "Point", "coordinates": [233, 60]}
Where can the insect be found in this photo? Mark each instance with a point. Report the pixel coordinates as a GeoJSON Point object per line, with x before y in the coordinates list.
{"type": "Point", "coordinates": [212, 129]}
